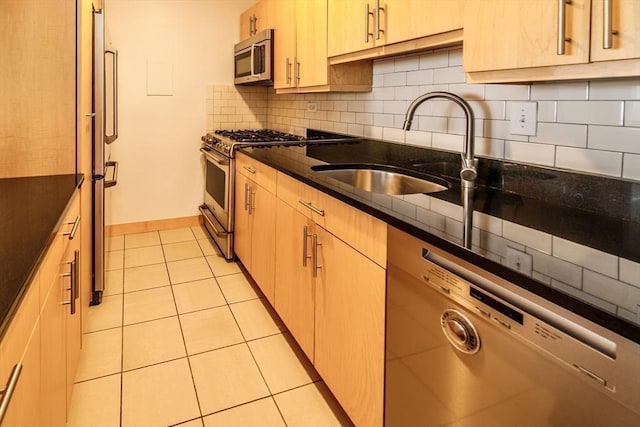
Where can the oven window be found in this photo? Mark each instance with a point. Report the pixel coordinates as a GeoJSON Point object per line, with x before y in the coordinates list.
{"type": "Point", "coordinates": [216, 184]}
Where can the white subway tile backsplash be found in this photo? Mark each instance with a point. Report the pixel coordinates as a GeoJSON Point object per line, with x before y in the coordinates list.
{"type": "Point", "coordinates": [506, 92]}
{"type": "Point", "coordinates": [453, 229]}
{"type": "Point", "coordinates": [560, 91]}
{"type": "Point", "coordinates": [404, 208]}
{"type": "Point", "coordinates": [394, 79]}
{"type": "Point", "coordinates": [407, 63]}
{"type": "Point", "coordinates": [525, 152]}
{"type": "Point", "coordinates": [613, 138]}
{"type": "Point", "coordinates": [374, 107]}
{"type": "Point", "coordinates": [420, 200]}
{"type": "Point", "coordinates": [448, 75]}
{"type": "Point", "coordinates": [448, 142]}
{"type": "Point", "coordinates": [374, 132]}
{"type": "Point", "coordinates": [631, 167]}
{"type": "Point", "coordinates": [347, 117]}
{"type": "Point", "coordinates": [493, 110]}
{"type": "Point", "coordinates": [500, 129]}
{"type": "Point", "coordinates": [355, 106]}
{"type": "Point", "coordinates": [382, 66]}
{"type": "Point", "coordinates": [431, 218]}
{"type": "Point", "coordinates": [632, 113]}
{"type": "Point", "coordinates": [420, 77]}
{"type": "Point", "coordinates": [377, 80]}
{"type": "Point", "coordinates": [590, 112]}
{"type": "Point", "coordinates": [418, 138]}
{"type": "Point", "coordinates": [455, 57]}
{"type": "Point", "coordinates": [395, 107]}
{"type": "Point", "coordinates": [384, 94]}
{"type": "Point", "coordinates": [561, 134]}
{"type": "Point", "coordinates": [486, 147]}
{"type": "Point", "coordinates": [584, 256]}
{"type": "Point", "coordinates": [468, 91]}
{"type": "Point", "coordinates": [434, 60]}
{"type": "Point", "coordinates": [496, 244]}
{"type": "Point", "coordinates": [407, 93]}
{"type": "Point", "coordinates": [431, 124]}
{"type": "Point", "coordinates": [526, 236]}
{"type": "Point", "coordinates": [599, 162]}
{"type": "Point", "coordinates": [383, 120]}
{"type": "Point", "coordinates": [393, 134]}
{"type": "Point", "coordinates": [630, 272]}
{"type": "Point", "coordinates": [355, 129]}
{"type": "Point", "coordinates": [487, 223]}
{"type": "Point", "coordinates": [364, 118]}
{"type": "Point", "coordinates": [611, 290]}
{"type": "Point", "coordinates": [614, 89]}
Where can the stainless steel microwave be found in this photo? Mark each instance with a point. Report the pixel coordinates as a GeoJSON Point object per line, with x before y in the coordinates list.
{"type": "Point", "coordinates": [253, 60]}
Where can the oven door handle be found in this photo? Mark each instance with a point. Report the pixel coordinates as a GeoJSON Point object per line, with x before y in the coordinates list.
{"type": "Point", "coordinates": [209, 218]}
{"type": "Point", "coordinates": [221, 160]}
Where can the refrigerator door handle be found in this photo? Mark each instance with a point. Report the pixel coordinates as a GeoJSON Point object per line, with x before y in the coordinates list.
{"type": "Point", "coordinates": [114, 180]}
{"type": "Point", "coordinates": [114, 75]}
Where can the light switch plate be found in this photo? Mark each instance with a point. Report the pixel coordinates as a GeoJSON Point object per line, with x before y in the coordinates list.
{"type": "Point", "coordinates": [524, 118]}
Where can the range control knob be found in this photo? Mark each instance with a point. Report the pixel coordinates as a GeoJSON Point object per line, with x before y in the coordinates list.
{"type": "Point", "coordinates": [460, 331]}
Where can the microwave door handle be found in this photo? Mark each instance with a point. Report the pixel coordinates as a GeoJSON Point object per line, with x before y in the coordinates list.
{"type": "Point", "coordinates": [253, 49]}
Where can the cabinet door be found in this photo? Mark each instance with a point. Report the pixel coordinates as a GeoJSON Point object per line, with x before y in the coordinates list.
{"type": "Point", "coordinates": [53, 356]}
{"type": "Point", "coordinates": [242, 228]}
{"type": "Point", "coordinates": [349, 327]}
{"type": "Point", "coordinates": [347, 23]}
{"type": "Point", "coordinates": [311, 21]}
{"type": "Point", "coordinates": [624, 21]}
{"type": "Point", "coordinates": [284, 55]}
{"type": "Point", "coordinates": [246, 23]}
{"type": "Point", "coordinates": [263, 239]}
{"type": "Point", "coordinates": [73, 323]}
{"type": "Point", "coordinates": [294, 286]}
{"type": "Point", "coordinates": [410, 19]}
{"type": "Point", "coordinates": [507, 34]}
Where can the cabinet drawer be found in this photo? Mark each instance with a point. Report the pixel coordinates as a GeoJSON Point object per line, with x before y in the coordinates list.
{"type": "Point", "coordinates": [363, 232]}
{"type": "Point", "coordinates": [258, 172]}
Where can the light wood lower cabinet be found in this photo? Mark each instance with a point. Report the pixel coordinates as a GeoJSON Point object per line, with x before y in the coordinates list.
{"type": "Point", "coordinates": [255, 221]}
{"type": "Point", "coordinates": [294, 285]}
{"type": "Point", "coordinates": [44, 336]}
{"type": "Point", "coordinates": [331, 295]}
{"type": "Point", "coordinates": [349, 328]}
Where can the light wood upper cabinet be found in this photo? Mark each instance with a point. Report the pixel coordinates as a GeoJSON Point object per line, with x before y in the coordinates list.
{"type": "Point", "coordinates": [347, 22]}
{"type": "Point", "coordinates": [409, 19]}
{"type": "Point", "coordinates": [257, 18]}
{"type": "Point", "coordinates": [624, 30]}
{"type": "Point", "coordinates": [300, 52]}
{"type": "Point", "coordinates": [359, 25]}
{"type": "Point", "coordinates": [501, 34]}
{"type": "Point", "coordinates": [507, 41]}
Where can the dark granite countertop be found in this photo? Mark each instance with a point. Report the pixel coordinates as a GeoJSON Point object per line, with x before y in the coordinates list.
{"type": "Point", "coordinates": [31, 209]}
{"type": "Point", "coordinates": [593, 211]}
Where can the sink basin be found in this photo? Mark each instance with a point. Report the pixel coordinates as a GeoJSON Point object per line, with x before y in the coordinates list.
{"type": "Point", "coordinates": [383, 179]}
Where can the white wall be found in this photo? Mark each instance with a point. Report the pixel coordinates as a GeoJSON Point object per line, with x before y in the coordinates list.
{"type": "Point", "coordinates": [160, 170]}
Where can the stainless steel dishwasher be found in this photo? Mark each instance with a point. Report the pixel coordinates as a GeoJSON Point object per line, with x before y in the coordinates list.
{"type": "Point", "coordinates": [466, 348]}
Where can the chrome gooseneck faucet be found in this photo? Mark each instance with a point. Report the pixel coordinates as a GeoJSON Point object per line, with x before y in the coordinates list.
{"type": "Point", "coordinates": [468, 173]}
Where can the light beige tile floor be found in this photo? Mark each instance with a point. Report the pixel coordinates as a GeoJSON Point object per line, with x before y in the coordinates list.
{"type": "Point", "coordinates": [183, 338]}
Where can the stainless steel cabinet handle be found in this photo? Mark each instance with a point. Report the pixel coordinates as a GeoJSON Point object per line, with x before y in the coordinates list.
{"type": "Point", "coordinates": [367, 13]}
{"type": "Point", "coordinates": [74, 229]}
{"type": "Point", "coordinates": [249, 169]}
{"type": "Point", "coordinates": [310, 206]}
{"type": "Point", "coordinates": [305, 254]}
{"type": "Point", "coordinates": [108, 183]}
{"type": "Point", "coordinates": [288, 70]}
{"type": "Point", "coordinates": [316, 266]}
{"type": "Point", "coordinates": [562, 21]}
{"type": "Point", "coordinates": [110, 138]}
{"type": "Point", "coordinates": [246, 197]}
{"type": "Point", "coordinates": [252, 201]}
{"type": "Point", "coordinates": [251, 25]}
{"type": "Point", "coordinates": [255, 24]}
{"type": "Point", "coordinates": [7, 391]}
{"type": "Point", "coordinates": [608, 31]}
{"type": "Point", "coordinates": [376, 20]}
{"type": "Point", "coordinates": [296, 71]}
{"type": "Point", "coordinates": [73, 286]}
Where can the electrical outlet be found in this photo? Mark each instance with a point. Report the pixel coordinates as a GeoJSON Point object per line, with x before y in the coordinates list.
{"type": "Point", "coordinates": [312, 106]}
{"type": "Point", "coordinates": [523, 118]}
{"type": "Point", "coordinates": [519, 261]}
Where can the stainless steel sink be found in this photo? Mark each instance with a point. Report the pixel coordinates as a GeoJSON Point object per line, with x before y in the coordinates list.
{"type": "Point", "coordinates": [383, 179]}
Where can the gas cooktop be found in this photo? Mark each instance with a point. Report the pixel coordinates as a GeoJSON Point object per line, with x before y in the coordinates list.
{"type": "Point", "coordinates": [226, 141]}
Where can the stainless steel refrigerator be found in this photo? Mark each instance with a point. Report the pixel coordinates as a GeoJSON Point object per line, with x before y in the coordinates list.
{"type": "Point", "coordinates": [105, 132]}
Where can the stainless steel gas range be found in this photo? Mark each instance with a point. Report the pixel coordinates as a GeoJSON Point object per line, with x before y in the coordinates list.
{"type": "Point", "coordinates": [219, 153]}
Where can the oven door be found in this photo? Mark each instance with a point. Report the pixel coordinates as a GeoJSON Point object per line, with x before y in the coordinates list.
{"type": "Point", "coordinates": [217, 209]}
